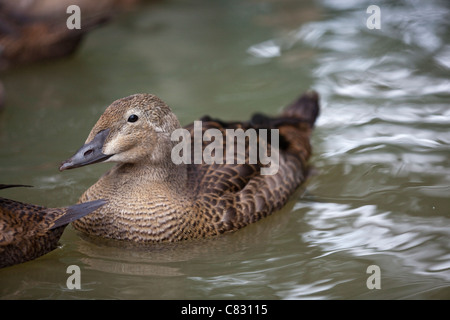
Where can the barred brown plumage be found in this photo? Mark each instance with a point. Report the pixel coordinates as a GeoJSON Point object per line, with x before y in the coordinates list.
{"type": "Point", "coordinates": [29, 231]}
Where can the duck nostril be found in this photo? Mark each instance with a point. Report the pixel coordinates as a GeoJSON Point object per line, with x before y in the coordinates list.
{"type": "Point", "coordinates": [89, 152]}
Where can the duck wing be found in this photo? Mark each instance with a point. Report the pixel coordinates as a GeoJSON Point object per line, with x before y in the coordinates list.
{"type": "Point", "coordinates": [234, 195]}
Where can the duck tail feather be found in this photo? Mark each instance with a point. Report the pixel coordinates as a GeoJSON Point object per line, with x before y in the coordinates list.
{"type": "Point", "coordinates": [306, 108]}
{"type": "Point", "coordinates": [78, 211]}
{"type": "Point", "coordinates": [5, 186]}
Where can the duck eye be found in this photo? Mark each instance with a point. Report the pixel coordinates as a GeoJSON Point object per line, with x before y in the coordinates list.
{"type": "Point", "coordinates": [133, 118]}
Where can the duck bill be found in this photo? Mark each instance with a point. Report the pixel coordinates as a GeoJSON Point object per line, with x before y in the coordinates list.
{"type": "Point", "coordinates": [90, 153]}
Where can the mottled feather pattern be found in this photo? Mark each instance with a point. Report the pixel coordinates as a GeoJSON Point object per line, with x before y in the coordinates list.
{"type": "Point", "coordinates": [28, 231]}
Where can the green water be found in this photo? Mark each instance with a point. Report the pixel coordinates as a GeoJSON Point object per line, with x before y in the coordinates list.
{"type": "Point", "coordinates": [380, 192]}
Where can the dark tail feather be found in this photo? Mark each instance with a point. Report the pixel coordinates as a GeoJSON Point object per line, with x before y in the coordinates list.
{"type": "Point", "coordinates": [305, 108]}
{"type": "Point", "coordinates": [78, 211]}
{"type": "Point", "coordinates": [5, 186]}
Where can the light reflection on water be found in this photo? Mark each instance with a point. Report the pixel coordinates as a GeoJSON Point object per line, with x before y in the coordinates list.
{"type": "Point", "coordinates": [380, 189]}
{"type": "Point", "coordinates": [364, 231]}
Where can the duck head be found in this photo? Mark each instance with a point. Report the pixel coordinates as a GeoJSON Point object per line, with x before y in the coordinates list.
{"type": "Point", "coordinates": [131, 130]}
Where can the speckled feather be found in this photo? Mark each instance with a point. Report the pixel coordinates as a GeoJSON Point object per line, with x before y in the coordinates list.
{"type": "Point", "coordinates": [154, 200]}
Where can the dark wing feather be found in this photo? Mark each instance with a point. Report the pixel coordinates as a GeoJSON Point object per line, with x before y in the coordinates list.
{"type": "Point", "coordinates": [218, 178]}
{"type": "Point", "coordinates": [5, 186]}
{"type": "Point", "coordinates": [238, 193]}
{"type": "Point", "coordinates": [77, 211]}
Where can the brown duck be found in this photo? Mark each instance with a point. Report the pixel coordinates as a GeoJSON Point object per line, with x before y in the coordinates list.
{"type": "Point", "coordinates": [36, 30]}
{"type": "Point", "coordinates": [152, 198]}
{"type": "Point", "coordinates": [29, 231]}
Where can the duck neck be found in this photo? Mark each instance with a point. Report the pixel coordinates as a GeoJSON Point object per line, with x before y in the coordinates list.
{"type": "Point", "coordinates": [168, 174]}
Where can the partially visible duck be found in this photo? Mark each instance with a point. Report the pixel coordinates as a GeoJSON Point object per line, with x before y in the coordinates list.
{"type": "Point", "coordinates": [29, 231]}
{"type": "Point", "coordinates": [153, 199]}
{"type": "Point", "coordinates": [35, 30]}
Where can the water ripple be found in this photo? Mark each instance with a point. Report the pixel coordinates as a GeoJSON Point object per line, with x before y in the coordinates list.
{"type": "Point", "coordinates": [418, 242]}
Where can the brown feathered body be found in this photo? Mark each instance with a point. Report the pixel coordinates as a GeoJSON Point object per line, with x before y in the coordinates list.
{"type": "Point", "coordinates": [151, 199]}
{"type": "Point", "coordinates": [29, 231]}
